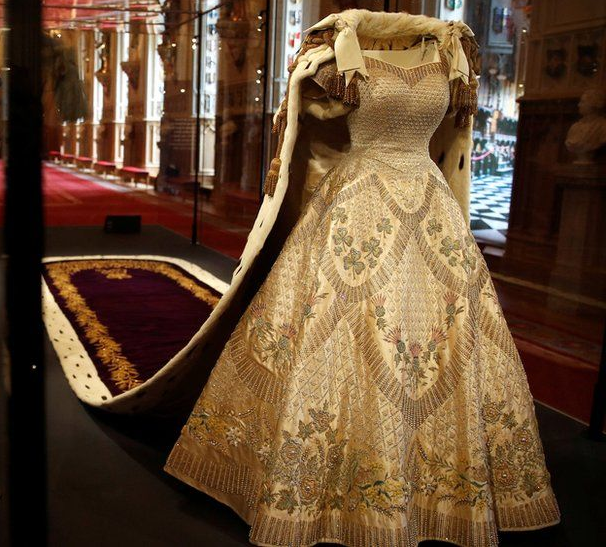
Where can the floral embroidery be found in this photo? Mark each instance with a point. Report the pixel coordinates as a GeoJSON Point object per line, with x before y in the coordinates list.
{"type": "Point", "coordinates": [460, 252]}
{"type": "Point", "coordinates": [373, 250]}
{"type": "Point", "coordinates": [339, 215]}
{"type": "Point", "coordinates": [450, 246]}
{"type": "Point", "coordinates": [313, 299]}
{"type": "Point", "coordinates": [315, 474]}
{"type": "Point", "coordinates": [451, 308]}
{"type": "Point", "coordinates": [419, 359]}
{"type": "Point", "coordinates": [271, 343]}
{"type": "Point", "coordinates": [385, 226]}
{"type": "Point", "coordinates": [342, 240]}
{"type": "Point", "coordinates": [379, 311]}
{"type": "Point", "coordinates": [433, 226]}
{"type": "Point", "coordinates": [352, 261]}
{"type": "Point", "coordinates": [463, 485]}
{"type": "Point", "coordinates": [233, 436]}
{"type": "Point", "coordinates": [275, 344]}
{"type": "Point", "coordinates": [218, 428]}
{"type": "Point", "coordinates": [516, 459]}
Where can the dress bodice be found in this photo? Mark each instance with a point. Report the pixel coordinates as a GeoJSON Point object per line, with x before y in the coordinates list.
{"type": "Point", "coordinates": [400, 109]}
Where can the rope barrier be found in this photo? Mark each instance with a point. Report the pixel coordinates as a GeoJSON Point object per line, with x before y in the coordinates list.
{"type": "Point", "coordinates": [482, 156]}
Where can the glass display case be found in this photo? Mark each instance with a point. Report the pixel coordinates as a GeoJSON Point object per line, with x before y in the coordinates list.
{"type": "Point", "coordinates": [131, 175]}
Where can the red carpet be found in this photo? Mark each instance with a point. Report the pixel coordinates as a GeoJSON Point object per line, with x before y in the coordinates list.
{"type": "Point", "coordinates": [73, 201]}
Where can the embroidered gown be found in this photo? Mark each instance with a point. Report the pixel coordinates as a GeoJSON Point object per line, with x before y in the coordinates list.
{"type": "Point", "coordinates": [372, 393]}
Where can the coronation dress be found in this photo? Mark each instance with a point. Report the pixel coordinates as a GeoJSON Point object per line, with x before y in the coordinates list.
{"type": "Point", "coordinates": [371, 394]}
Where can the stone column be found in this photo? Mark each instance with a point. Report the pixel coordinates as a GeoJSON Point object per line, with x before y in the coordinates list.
{"type": "Point", "coordinates": [87, 127]}
{"type": "Point", "coordinates": [141, 133]}
{"type": "Point", "coordinates": [70, 130]}
{"type": "Point", "coordinates": [107, 137]}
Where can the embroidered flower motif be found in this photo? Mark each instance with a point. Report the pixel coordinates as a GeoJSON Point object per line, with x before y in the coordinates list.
{"type": "Point", "coordinates": [335, 457]}
{"type": "Point", "coordinates": [415, 350]}
{"type": "Point", "coordinates": [322, 418]}
{"type": "Point", "coordinates": [522, 439]}
{"type": "Point", "coordinates": [311, 301]}
{"type": "Point", "coordinates": [491, 413]}
{"type": "Point", "coordinates": [287, 500]}
{"type": "Point", "coordinates": [505, 475]}
{"type": "Point", "coordinates": [433, 226]}
{"type": "Point", "coordinates": [394, 336]}
{"type": "Point", "coordinates": [429, 486]}
{"type": "Point", "coordinates": [384, 226]}
{"type": "Point", "coordinates": [509, 420]}
{"type": "Point", "coordinates": [264, 453]}
{"type": "Point", "coordinates": [379, 311]}
{"type": "Point", "coordinates": [306, 430]}
{"type": "Point", "coordinates": [517, 466]}
{"type": "Point", "coordinates": [310, 488]}
{"type": "Point", "coordinates": [257, 309]}
{"type": "Point", "coordinates": [437, 337]}
{"type": "Point", "coordinates": [287, 330]}
{"type": "Point", "coordinates": [451, 308]}
{"type": "Point", "coordinates": [339, 215]}
{"type": "Point", "coordinates": [341, 240]}
{"type": "Point", "coordinates": [290, 451]}
{"type": "Point", "coordinates": [352, 261]}
{"type": "Point", "coordinates": [449, 245]}
{"type": "Point", "coordinates": [372, 247]}
{"type": "Point", "coordinates": [233, 436]}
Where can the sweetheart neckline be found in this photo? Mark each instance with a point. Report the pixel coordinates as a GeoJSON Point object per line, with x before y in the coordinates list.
{"type": "Point", "coordinates": [411, 75]}
{"type": "Point", "coordinates": [398, 67]}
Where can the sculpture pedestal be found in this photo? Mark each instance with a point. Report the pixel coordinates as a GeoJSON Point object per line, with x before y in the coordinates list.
{"type": "Point", "coordinates": [580, 264]}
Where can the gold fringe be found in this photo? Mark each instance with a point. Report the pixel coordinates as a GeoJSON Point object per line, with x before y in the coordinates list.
{"type": "Point", "coordinates": [336, 89]}
{"type": "Point", "coordinates": [351, 96]}
{"type": "Point", "coordinates": [271, 179]}
{"type": "Point", "coordinates": [472, 52]}
{"type": "Point", "coordinates": [335, 86]}
{"type": "Point", "coordinates": [280, 124]}
{"type": "Point", "coordinates": [464, 97]}
{"type": "Point", "coordinates": [464, 100]}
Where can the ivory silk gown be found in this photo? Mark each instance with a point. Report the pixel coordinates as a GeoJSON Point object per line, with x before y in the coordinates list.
{"type": "Point", "coordinates": [372, 395]}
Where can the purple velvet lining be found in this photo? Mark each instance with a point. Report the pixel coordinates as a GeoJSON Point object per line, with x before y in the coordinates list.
{"type": "Point", "coordinates": [150, 315]}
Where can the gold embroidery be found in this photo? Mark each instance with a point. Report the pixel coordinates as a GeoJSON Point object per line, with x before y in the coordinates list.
{"type": "Point", "coordinates": [114, 273]}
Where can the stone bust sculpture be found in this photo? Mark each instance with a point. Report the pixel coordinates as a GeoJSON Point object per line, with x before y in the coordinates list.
{"type": "Point", "coordinates": [589, 133]}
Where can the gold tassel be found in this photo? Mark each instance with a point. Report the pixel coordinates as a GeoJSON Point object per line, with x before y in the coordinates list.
{"type": "Point", "coordinates": [271, 179]}
{"type": "Point", "coordinates": [472, 52]}
{"type": "Point", "coordinates": [464, 100]}
{"type": "Point", "coordinates": [280, 123]}
{"type": "Point", "coordinates": [464, 97]}
{"type": "Point", "coordinates": [335, 86]}
{"type": "Point", "coordinates": [352, 93]}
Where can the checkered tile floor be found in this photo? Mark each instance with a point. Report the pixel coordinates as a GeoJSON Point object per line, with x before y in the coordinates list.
{"type": "Point", "coordinates": [489, 210]}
